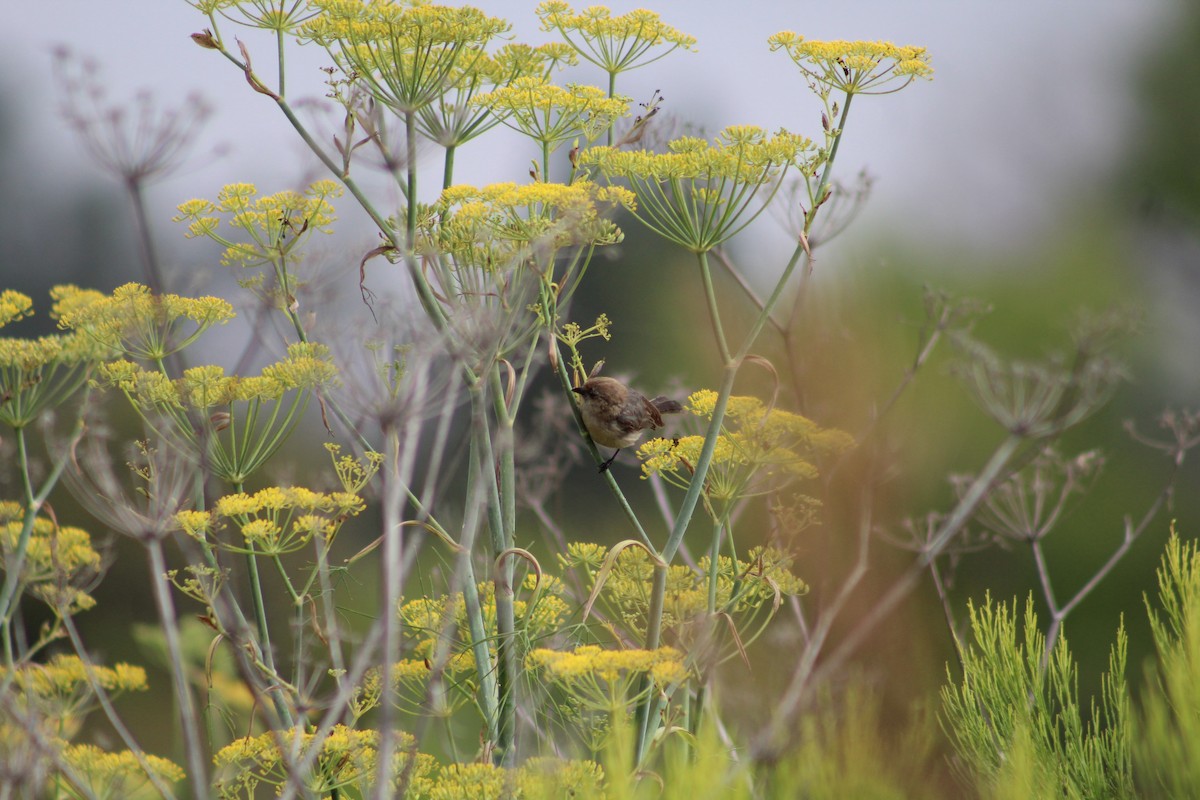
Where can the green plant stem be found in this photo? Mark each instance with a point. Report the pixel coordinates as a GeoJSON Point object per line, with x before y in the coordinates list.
{"type": "Point", "coordinates": [410, 191]}
{"type": "Point", "coordinates": [260, 621]}
{"type": "Point", "coordinates": [282, 72]}
{"type": "Point", "coordinates": [287, 581]}
{"type": "Point", "coordinates": [448, 169]}
{"type": "Point", "coordinates": [185, 705]}
{"type": "Point", "coordinates": [390, 578]}
{"type": "Point", "coordinates": [281, 275]}
{"type": "Point", "coordinates": [837, 141]}
{"type": "Point", "coordinates": [299, 671]}
{"type": "Point", "coordinates": [474, 612]}
{"type": "Point", "coordinates": [714, 555]}
{"type": "Point", "coordinates": [612, 90]}
{"type": "Point", "coordinates": [14, 561]}
{"type": "Point", "coordinates": [658, 593]}
{"type": "Point", "coordinates": [506, 459]}
{"type": "Point", "coordinates": [329, 611]}
{"type": "Point", "coordinates": [506, 650]}
{"type": "Point", "coordinates": [506, 672]}
{"type": "Point", "coordinates": [226, 607]}
{"type": "Point", "coordinates": [816, 201]}
{"type": "Point", "coordinates": [264, 630]}
{"type": "Point", "coordinates": [692, 496]}
{"type": "Point", "coordinates": [714, 313]}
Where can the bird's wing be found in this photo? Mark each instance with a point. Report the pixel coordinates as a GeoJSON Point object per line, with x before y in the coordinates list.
{"type": "Point", "coordinates": [653, 411]}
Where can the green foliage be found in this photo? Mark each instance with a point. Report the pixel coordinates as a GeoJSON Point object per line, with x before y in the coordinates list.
{"type": "Point", "coordinates": [1018, 725]}
{"type": "Point", "coordinates": [1015, 717]}
{"type": "Point", "coordinates": [845, 751]}
{"type": "Point", "coordinates": [1167, 745]}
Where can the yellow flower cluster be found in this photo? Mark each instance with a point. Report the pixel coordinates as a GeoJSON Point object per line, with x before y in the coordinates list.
{"type": "Point", "coordinates": [353, 473]}
{"type": "Point", "coordinates": [274, 223]}
{"type": "Point", "coordinates": [572, 334]}
{"type": "Point", "coordinates": [698, 193]}
{"type": "Point", "coordinates": [742, 154]}
{"type": "Point", "coordinates": [763, 578]}
{"type": "Point", "coordinates": [142, 324]}
{"type": "Point", "coordinates": [346, 761]}
{"type": "Point", "coordinates": [117, 775]}
{"type": "Point", "coordinates": [202, 584]}
{"type": "Point", "coordinates": [405, 54]}
{"type": "Point", "coordinates": [307, 366]}
{"type": "Point", "coordinates": [492, 227]}
{"type": "Point", "coordinates": [537, 777]}
{"type": "Point", "coordinates": [58, 559]}
{"type": "Point", "coordinates": [469, 780]}
{"type": "Point", "coordinates": [23, 361]}
{"type": "Point", "coordinates": [613, 43]}
{"type": "Point", "coordinates": [759, 450]}
{"type": "Point", "coordinates": [539, 609]}
{"type": "Point", "coordinates": [556, 777]}
{"type": "Point", "coordinates": [855, 67]}
{"type": "Point", "coordinates": [538, 613]}
{"type": "Point", "coordinates": [275, 520]}
{"type": "Point", "coordinates": [552, 114]}
{"type": "Point", "coordinates": [36, 374]}
{"type": "Point", "coordinates": [516, 60]}
{"type": "Point", "coordinates": [14, 306]}
{"type": "Point", "coordinates": [743, 587]}
{"type": "Point", "coordinates": [270, 15]}
{"type": "Point", "coordinates": [70, 299]}
{"type": "Point", "coordinates": [592, 661]}
{"type": "Point", "coordinates": [411, 690]}
{"type": "Point", "coordinates": [59, 691]}
{"type": "Point", "coordinates": [65, 676]}
{"type": "Point", "coordinates": [454, 119]}
{"type": "Point", "coordinates": [583, 554]}
{"type": "Point", "coordinates": [606, 680]}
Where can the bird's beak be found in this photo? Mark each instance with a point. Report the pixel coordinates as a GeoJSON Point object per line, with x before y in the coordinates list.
{"type": "Point", "coordinates": [578, 390]}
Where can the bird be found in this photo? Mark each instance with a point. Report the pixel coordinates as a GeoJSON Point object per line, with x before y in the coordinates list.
{"type": "Point", "coordinates": [617, 416]}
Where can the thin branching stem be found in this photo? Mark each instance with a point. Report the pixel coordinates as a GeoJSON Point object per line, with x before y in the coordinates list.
{"type": "Point", "coordinates": [818, 632]}
{"type": "Point", "coordinates": [393, 543]}
{"type": "Point", "coordinates": [185, 704]}
{"type": "Point", "coordinates": [505, 613]}
{"type": "Point", "coordinates": [114, 719]}
{"type": "Point", "coordinates": [150, 263]}
{"type": "Point", "coordinates": [1131, 534]}
{"type": "Point", "coordinates": [714, 313]}
{"type": "Point", "coordinates": [34, 498]}
{"type": "Point", "coordinates": [951, 527]}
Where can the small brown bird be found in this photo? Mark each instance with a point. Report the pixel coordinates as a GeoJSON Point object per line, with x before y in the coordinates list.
{"type": "Point", "coordinates": [616, 416]}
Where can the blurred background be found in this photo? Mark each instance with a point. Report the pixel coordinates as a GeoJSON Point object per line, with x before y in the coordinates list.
{"type": "Point", "coordinates": [1049, 167]}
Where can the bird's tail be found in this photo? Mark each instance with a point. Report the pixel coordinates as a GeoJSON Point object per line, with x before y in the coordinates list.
{"type": "Point", "coordinates": [665, 405]}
